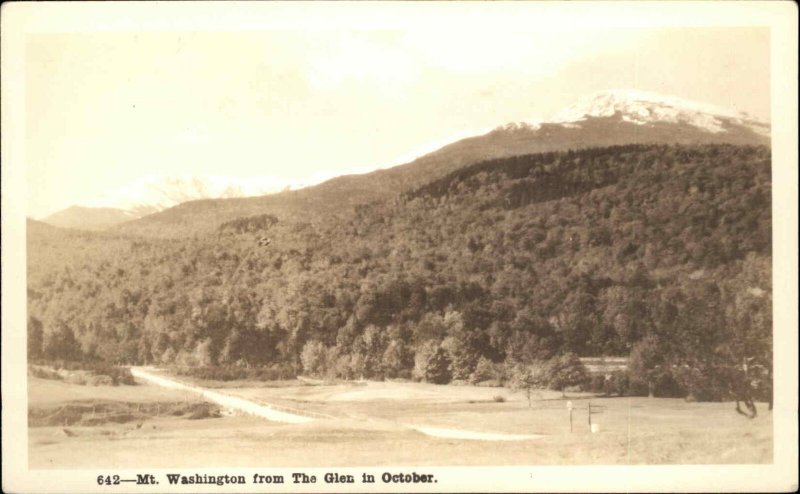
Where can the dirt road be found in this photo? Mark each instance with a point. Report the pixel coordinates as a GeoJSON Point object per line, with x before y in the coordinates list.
{"type": "Point", "coordinates": [239, 404]}
{"type": "Point", "coordinates": [270, 412]}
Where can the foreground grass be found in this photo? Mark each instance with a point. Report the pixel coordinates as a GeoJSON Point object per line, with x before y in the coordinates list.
{"type": "Point", "coordinates": [370, 427]}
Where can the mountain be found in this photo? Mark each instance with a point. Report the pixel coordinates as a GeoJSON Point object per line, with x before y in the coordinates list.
{"type": "Point", "coordinates": [156, 193]}
{"type": "Point", "coordinates": [629, 224]}
{"type": "Point", "coordinates": [647, 109]}
{"type": "Point", "coordinates": [86, 218]}
{"type": "Point", "coordinates": [174, 206]}
{"type": "Point", "coordinates": [603, 119]}
{"type": "Point", "coordinates": [522, 259]}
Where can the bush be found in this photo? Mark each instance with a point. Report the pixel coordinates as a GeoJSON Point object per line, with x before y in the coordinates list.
{"type": "Point", "coordinates": [498, 399]}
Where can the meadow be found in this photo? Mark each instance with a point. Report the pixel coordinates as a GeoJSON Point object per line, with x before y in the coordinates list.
{"type": "Point", "coordinates": [377, 423]}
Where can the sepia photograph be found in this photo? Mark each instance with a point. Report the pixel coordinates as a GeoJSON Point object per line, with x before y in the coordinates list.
{"type": "Point", "coordinates": [372, 246]}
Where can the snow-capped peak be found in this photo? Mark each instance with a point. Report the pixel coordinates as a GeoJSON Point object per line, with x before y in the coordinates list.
{"type": "Point", "coordinates": [642, 108]}
{"type": "Point", "coordinates": [155, 193]}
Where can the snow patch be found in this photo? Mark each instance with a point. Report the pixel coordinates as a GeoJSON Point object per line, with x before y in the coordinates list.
{"type": "Point", "coordinates": [153, 193]}
{"type": "Point", "coordinates": [644, 108]}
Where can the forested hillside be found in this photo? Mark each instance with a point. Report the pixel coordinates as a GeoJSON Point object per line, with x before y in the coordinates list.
{"type": "Point", "coordinates": [663, 251]}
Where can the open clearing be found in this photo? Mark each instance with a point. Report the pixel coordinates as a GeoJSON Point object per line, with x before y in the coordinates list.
{"type": "Point", "coordinates": [372, 424]}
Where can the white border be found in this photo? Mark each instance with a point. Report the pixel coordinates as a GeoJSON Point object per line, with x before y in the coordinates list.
{"type": "Point", "coordinates": [20, 19]}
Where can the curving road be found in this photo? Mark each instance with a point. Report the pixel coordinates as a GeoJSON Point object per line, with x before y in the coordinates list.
{"type": "Point", "coordinates": [233, 402]}
{"type": "Point", "coordinates": [270, 413]}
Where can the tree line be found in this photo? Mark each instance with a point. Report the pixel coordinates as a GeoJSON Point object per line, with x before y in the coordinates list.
{"type": "Point", "coordinates": [659, 252]}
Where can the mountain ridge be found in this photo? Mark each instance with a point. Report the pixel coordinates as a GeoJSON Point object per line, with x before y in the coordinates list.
{"type": "Point", "coordinates": [602, 119]}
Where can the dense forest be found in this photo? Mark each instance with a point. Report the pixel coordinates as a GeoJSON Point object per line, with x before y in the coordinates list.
{"type": "Point", "coordinates": [660, 252]}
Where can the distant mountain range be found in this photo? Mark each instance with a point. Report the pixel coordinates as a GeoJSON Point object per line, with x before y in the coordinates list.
{"type": "Point", "coordinates": [601, 119]}
{"type": "Point", "coordinates": [156, 193]}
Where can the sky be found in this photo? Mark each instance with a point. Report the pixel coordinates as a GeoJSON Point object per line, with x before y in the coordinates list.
{"type": "Point", "coordinates": [298, 104]}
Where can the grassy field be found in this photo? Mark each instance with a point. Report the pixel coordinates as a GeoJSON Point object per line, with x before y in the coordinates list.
{"type": "Point", "coordinates": [371, 424]}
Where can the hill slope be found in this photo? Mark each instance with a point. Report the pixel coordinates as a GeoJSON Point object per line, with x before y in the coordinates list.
{"type": "Point", "coordinates": [599, 251]}
{"type": "Point", "coordinates": [603, 119]}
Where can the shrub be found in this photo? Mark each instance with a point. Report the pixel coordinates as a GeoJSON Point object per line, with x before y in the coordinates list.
{"type": "Point", "coordinates": [499, 399]}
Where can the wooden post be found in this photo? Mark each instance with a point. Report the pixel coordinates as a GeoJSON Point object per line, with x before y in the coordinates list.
{"type": "Point", "coordinates": [590, 416]}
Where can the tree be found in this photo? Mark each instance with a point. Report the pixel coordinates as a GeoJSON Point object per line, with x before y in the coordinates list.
{"type": "Point", "coordinates": [566, 370]}
{"type": "Point", "coordinates": [437, 368]}
{"type": "Point", "coordinates": [646, 362]}
{"type": "Point", "coordinates": [528, 377]}
{"type": "Point", "coordinates": [35, 338]}
{"type": "Point", "coordinates": [61, 343]}
{"type": "Point", "coordinates": [422, 355]}
{"type": "Point", "coordinates": [313, 358]}
{"type": "Point", "coordinates": [461, 355]}
{"type": "Point", "coordinates": [484, 371]}
{"type": "Point", "coordinates": [397, 360]}
{"type": "Point", "coordinates": [202, 353]}
{"type": "Point", "coordinates": [460, 346]}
